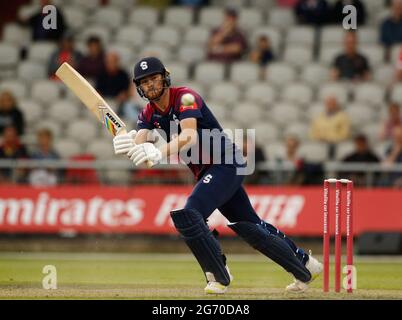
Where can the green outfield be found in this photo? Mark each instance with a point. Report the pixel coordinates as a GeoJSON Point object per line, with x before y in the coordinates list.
{"type": "Point", "coordinates": [173, 276]}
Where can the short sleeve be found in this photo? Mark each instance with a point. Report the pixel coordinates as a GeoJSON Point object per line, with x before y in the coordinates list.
{"type": "Point", "coordinates": [191, 111]}
{"type": "Point", "coordinates": [144, 121]}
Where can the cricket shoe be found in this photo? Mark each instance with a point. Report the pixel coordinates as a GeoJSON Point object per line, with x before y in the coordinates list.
{"type": "Point", "coordinates": [214, 287]}
{"type": "Point", "coordinates": [315, 267]}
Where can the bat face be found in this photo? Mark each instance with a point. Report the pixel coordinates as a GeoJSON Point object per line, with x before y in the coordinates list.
{"type": "Point", "coordinates": [113, 125]}
{"type": "Point", "coordinates": [91, 99]}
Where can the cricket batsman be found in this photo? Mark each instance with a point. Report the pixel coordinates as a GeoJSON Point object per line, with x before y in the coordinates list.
{"type": "Point", "coordinates": [219, 186]}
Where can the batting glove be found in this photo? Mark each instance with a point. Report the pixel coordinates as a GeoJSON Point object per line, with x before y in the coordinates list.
{"type": "Point", "coordinates": [124, 142]}
{"type": "Point", "coordinates": [145, 152]}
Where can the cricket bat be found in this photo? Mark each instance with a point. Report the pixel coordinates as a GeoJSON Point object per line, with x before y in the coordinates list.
{"type": "Point", "coordinates": [92, 100]}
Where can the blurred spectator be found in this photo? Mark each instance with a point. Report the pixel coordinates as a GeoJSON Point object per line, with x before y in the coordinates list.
{"type": "Point", "coordinates": [394, 120]}
{"type": "Point", "coordinates": [44, 151]}
{"type": "Point", "coordinates": [362, 153]}
{"type": "Point", "coordinates": [394, 156]}
{"type": "Point", "coordinates": [113, 82]}
{"type": "Point", "coordinates": [191, 3]}
{"type": "Point", "coordinates": [337, 15]}
{"type": "Point", "coordinates": [351, 65]}
{"type": "Point", "coordinates": [10, 115]}
{"type": "Point", "coordinates": [262, 53]}
{"type": "Point", "coordinates": [11, 149]}
{"type": "Point", "coordinates": [131, 107]}
{"type": "Point", "coordinates": [332, 126]}
{"type": "Point", "coordinates": [227, 43]}
{"type": "Point", "coordinates": [251, 149]}
{"type": "Point", "coordinates": [314, 12]}
{"type": "Point", "coordinates": [391, 27]}
{"type": "Point", "coordinates": [292, 157]}
{"type": "Point", "coordinates": [65, 53]}
{"type": "Point", "coordinates": [36, 24]}
{"type": "Point", "coordinates": [286, 3]}
{"type": "Point", "coordinates": [93, 63]}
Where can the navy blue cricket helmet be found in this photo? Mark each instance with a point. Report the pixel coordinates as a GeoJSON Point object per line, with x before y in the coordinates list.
{"type": "Point", "coordinates": [149, 66]}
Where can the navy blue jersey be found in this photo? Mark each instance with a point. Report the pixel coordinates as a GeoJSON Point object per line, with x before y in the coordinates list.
{"type": "Point", "coordinates": [223, 148]}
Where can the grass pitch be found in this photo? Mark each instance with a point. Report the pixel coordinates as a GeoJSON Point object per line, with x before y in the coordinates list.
{"type": "Point", "coordinates": [176, 276]}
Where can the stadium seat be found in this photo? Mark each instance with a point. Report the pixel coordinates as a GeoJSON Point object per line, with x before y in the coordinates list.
{"type": "Point", "coordinates": [281, 18]}
{"type": "Point", "coordinates": [384, 74]}
{"type": "Point", "coordinates": [261, 4]}
{"type": "Point", "coordinates": [196, 86]}
{"type": "Point", "coordinates": [301, 35]}
{"type": "Point", "coordinates": [180, 17]}
{"type": "Point", "coordinates": [299, 130]}
{"type": "Point", "coordinates": [207, 72]}
{"type": "Point", "coordinates": [178, 71]}
{"type": "Point", "coordinates": [250, 18]}
{"type": "Point", "coordinates": [334, 89]}
{"type": "Point", "coordinates": [16, 87]}
{"type": "Point", "coordinates": [9, 55]}
{"type": "Point", "coordinates": [219, 110]}
{"type": "Point", "coordinates": [368, 35]}
{"type": "Point", "coordinates": [244, 72]}
{"type": "Point", "coordinates": [280, 74]}
{"type": "Point", "coordinates": [15, 34]}
{"type": "Point", "coordinates": [101, 149]}
{"type": "Point", "coordinates": [332, 35]}
{"type": "Point", "coordinates": [26, 11]}
{"type": "Point", "coordinates": [272, 33]}
{"type": "Point", "coordinates": [224, 92]}
{"type": "Point", "coordinates": [372, 130]}
{"type": "Point", "coordinates": [164, 35]}
{"type": "Point", "coordinates": [31, 110]}
{"type": "Point", "coordinates": [247, 114]}
{"type": "Point", "coordinates": [63, 111]}
{"type": "Point", "coordinates": [396, 93]}
{"type": "Point", "coordinates": [275, 150]}
{"type": "Point", "coordinates": [41, 51]}
{"type": "Point", "coordinates": [374, 53]}
{"type": "Point", "coordinates": [284, 113]}
{"type": "Point", "coordinates": [370, 93]}
{"type": "Point", "coordinates": [266, 132]}
{"type": "Point", "coordinates": [87, 4]}
{"type": "Point", "coordinates": [329, 53]}
{"type": "Point", "coordinates": [144, 17]}
{"type": "Point", "coordinates": [344, 149]}
{"type": "Point", "coordinates": [297, 93]}
{"type": "Point", "coordinates": [83, 131]}
{"type": "Point", "coordinates": [315, 74]}
{"type": "Point", "coordinates": [261, 93]}
{"type": "Point", "coordinates": [131, 35]}
{"type": "Point", "coordinates": [381, 149]}
{"type": "Point", "coordinates": [124, 52]}
{"type": "Point", "coordinates": [315, 109]}
{"type": "Point", "coordinates": [211, 17]}
{"type": "Point", "coordinates": [298, 55]}
{"type": "Point", "coordinates": [360, 115]}
{"type": "Point", "coordinates": [96, 30]}
{"type": "Point", "coordinates": [189, 53]}
{"type": "Point", "coordinates": [76, 18]}
{"type": "Point", "coordinates": [314, 152]}
{"type": "Point", "coordinates": [45, 91]}
{"type": "Point", "coordinates": [29, 71]}
{"type": "Point", "coordinates": [110, 17]}
{"type": "Point", "coordinates": [47, 123]}
{"type": "Point", "coordinates": [197, 35]}
{"type": "Point", "coordinates": [122, 4]}
{"type": "Point", "coordinates": [156, 50]}
{"type": "Point", "coordinates": [67, 147]}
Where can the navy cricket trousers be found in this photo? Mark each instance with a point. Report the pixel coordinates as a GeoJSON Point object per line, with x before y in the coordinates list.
{"type": "Point", "coordinates": [221, 188]}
